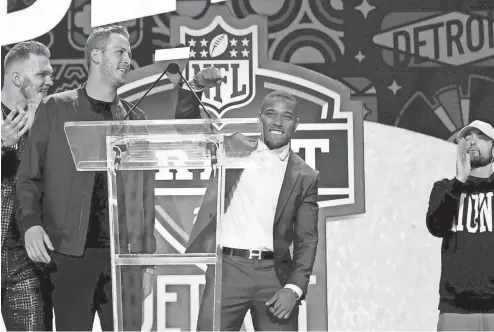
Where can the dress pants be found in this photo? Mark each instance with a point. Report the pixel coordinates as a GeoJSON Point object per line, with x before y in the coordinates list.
{"type": "Point", "coordinates": [465, 322]}
{"type": "Point", "coordinates": [82, 287]}
{"type": "Point", "coordinates": [246, 284]}
{"type": "Point", "coordinates": [22, 301]}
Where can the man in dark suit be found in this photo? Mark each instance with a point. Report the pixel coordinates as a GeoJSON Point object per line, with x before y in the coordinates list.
{"type": "Point", "coordinates": [65, 213]}
{"type": "Point", "coordinates": [267, 209]}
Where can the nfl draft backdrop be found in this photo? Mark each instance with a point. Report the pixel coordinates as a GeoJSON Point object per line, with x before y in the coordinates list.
{"type": "Point", "coordinates": [422, 70]}
{"type": "Point", "coordinates": [329, 138]}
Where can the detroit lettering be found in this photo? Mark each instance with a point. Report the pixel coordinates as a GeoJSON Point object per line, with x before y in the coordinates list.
{"type": "Point", "coordinates": [454, 39]}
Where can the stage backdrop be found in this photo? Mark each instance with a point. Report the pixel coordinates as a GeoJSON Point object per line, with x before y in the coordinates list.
{"type": "Point", "coordinates": [423, 67]}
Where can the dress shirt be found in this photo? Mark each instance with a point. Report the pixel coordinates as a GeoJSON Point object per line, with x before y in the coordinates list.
{"type": "Point", "coordinates": [249, 220]}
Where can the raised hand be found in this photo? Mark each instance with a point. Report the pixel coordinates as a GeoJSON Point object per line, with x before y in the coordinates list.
{"type": "Point", "coordinates": [463, 167]}
{"type": "Point", "coordinates": [14, 126]}
{"type": "Point", "coordinates": [208, 77]}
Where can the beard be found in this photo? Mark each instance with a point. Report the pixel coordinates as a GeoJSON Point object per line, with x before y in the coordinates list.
{"type": "Point", "coordinates": [109, 73]}
{"type": "Point", "coordinates": [480, 160]}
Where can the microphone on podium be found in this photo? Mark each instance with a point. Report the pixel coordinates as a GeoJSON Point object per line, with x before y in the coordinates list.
{"type": "Point", "coordinates": [174, 57]}
{"type": "Point", "coordinates": [174, 68]}
{"type": "Point", "coordinates": [210, 146]}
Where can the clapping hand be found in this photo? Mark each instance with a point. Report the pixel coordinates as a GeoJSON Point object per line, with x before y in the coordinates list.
{"type": "Point", "coordinates": [19, 121]}
{"type": "Point", "coordinates": [14, 126]}
{"type": "Point", "coordinates": [463, 167]}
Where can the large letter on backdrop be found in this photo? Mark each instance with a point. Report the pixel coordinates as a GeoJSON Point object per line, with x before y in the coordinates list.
{"type": "Point", "coordinates": [32, 22]}
{"type": "Point", "coordinates": [44, 15]}
{"type": "Point", "coordinates": [112, 11]}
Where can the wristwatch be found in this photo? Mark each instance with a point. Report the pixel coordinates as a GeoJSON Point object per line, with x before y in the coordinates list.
{"type": "Point", "coordinates": [294, 293]}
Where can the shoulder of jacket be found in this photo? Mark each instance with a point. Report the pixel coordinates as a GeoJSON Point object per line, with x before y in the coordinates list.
{"type": "Point", "coordinates": [443, 183]}
{"type": "Point", "coordinates": [62, 97]}
{"type": "Point", "coordinates": [305, 168]}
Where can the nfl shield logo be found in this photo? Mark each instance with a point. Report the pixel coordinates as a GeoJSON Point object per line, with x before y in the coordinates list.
{"type": "Point", "coordinates": [234, 52]}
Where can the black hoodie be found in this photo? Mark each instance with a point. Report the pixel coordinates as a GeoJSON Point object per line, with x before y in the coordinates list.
{"type": "Point", "coordinates": [462, 214]}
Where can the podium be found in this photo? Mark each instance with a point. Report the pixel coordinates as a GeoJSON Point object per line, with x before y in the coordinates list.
{"type": "Point", "coordinates": [153, 168]}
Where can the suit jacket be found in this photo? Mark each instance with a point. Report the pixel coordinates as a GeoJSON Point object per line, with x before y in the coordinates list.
{"type": "Point", "coordinates": [53, 194]}
{"type": "Point", "coordinates": [296, 216]}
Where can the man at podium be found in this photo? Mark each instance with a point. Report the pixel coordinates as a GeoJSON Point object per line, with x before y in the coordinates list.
{"type": "Point", "coordinates": [66, 211]}
{"type": "Point", "coordinates": [267, 210]}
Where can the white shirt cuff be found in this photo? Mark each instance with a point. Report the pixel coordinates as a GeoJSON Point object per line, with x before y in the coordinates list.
{"type": "Point", "coordinates": [294, 288]}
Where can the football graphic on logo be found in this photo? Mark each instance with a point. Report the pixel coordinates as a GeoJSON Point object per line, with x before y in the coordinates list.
{"type": "Point", "coordinates": [218, 45]}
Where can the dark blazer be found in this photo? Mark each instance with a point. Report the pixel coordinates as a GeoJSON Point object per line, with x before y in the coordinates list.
{"type": "Point", "coordinates": [53, 194]}
{"type": "Point", "coordinates": [296, 216]}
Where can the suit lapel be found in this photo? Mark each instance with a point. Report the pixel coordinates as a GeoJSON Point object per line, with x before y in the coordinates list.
{"type": "Point", "coordinates": [291, 175]}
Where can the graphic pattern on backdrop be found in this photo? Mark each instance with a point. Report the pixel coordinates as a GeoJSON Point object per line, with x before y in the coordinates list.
{"type": "Point", "coordinates": [388, 52]}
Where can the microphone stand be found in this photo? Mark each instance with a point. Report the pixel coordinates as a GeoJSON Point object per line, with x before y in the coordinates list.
{"type": "Point", "coordinates": [210, 146]}
{"type": "Point", "coordinates": [173, 68]}
{"type": "Point", "coordinates": [145, 94]}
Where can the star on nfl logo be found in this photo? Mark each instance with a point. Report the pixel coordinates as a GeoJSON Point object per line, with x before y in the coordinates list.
{"type": "Point", "coordinates": [234, 52]}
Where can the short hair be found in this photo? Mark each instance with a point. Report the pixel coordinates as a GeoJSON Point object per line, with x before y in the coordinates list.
{"type": "Point", "coordinates": [280, 94]}
{"type": "Point", "coordinates": [22, 51]}
{"type": "Point", "coordinates": [99, 38]}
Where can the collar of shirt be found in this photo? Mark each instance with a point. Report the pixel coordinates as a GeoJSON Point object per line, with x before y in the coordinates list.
{"type": "Point", "coordinates": [99, 106]}
{"type": "Point", "coordinates": [282, 152]}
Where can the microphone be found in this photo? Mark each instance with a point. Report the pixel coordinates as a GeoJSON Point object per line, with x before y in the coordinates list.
{"type": "Point", "coordinates": [172, 68]}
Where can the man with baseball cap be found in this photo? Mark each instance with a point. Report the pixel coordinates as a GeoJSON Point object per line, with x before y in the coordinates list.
{"type": "Point", "coordinates": [461, 213]}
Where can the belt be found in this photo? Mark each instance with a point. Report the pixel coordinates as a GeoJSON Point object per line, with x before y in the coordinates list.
{"type": "Point", "coordinates": [249, 254]}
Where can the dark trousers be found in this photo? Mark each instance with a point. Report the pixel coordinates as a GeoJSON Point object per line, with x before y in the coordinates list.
{"type": "Point", "coordinates": [247, 284]}
{"type": "Point", "coordinates": [22, 301]}
{"type": "Point", "coordinates": [465, 322]}
{"type": "Point", "coordinates": [82, 287]}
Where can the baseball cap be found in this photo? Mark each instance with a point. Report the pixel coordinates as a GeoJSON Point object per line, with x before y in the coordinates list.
{"type": "Point", "coordinates": [484, 127]}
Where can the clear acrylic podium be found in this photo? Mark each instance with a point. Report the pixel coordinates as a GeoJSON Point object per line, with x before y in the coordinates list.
{"type": "Point", "coordinates": [151, 213]}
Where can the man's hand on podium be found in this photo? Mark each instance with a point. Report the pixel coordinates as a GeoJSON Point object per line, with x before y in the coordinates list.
{"type": "Point", "coordinates": [147, 282]}
{"type": "Point", "coordinates": [36, 241]}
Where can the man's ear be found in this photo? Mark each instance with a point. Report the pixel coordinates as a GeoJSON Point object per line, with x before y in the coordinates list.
{"type": "Point", "coordinates": [259, 112]}
{"type": "Point", "coordinates": [96, 56]}
{"type": "Point", "coordinates": [17, 79]}
{"type": "Point", "coordinates": [297, 123]}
